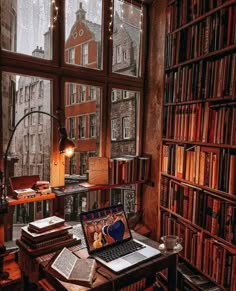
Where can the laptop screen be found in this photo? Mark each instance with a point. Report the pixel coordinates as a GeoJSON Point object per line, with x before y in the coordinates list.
{"type": "Point", "coordinates": [104, 227]}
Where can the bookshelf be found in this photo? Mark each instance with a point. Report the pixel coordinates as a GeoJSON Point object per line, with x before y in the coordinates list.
{"type": "Point", "coordinates": [198, 165]}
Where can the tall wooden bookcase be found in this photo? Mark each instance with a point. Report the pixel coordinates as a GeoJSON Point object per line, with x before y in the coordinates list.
{"type": "Point", "coordinates": [198, 176]}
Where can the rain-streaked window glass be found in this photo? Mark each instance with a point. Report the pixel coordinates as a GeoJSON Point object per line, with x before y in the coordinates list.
{"type": "Point", "coordinates": [124, 120]}
{"type": "Point", "coordinates": [83, 33]}
{"type": "Point", "coordinates": [26, 135]}
{"type": "Point", "coordinates": [83, 122]}
{"type": "Point", "coordinates": [126, 38]}
{"type": "Point", "coordinates": [26, 27]}
{"type": "Point", "coordinates": [32, 135]}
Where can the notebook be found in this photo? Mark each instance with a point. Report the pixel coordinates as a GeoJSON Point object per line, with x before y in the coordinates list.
{"type": "Point", "coordinates": [109, 239]}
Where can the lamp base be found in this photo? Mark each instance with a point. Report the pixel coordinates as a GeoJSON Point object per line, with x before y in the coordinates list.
{"type": "Point", "coordinates": [3, 253]}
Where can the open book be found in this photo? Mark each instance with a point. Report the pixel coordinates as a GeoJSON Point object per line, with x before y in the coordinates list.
{"type": "Point", "coordinates": [73, 269]}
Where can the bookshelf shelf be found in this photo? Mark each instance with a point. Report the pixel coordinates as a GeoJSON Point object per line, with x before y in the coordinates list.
{"type": "Point", "coordinates": [202, 17]}
{"type": "Point", "coordinates": [213, 191]}
{"type": "Point", "coordinates": [198, 186]}
{"type": "Point", "coordinates": [186, 221]}
{"type": "Point", "coordinates": [216, 53]}
{"type": "Point", "coordinates": [174, 141]}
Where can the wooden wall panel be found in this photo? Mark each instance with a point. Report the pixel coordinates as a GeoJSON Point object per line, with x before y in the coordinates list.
{"type": "Point", "coordinates": [152, 125]}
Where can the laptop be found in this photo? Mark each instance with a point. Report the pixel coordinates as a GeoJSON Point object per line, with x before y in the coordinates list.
{"type": "Point", "coordinates": [109, 239]}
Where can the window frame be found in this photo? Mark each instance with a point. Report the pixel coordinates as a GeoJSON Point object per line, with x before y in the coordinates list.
{"type": "Point", "coordinates": [59, 72]}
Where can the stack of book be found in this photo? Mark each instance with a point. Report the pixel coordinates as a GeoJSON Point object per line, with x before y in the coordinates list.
{"type": "Point", "coordinates": [46, 235]}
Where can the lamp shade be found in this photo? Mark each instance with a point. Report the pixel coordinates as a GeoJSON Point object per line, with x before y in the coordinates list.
{"type": "Point", "coordinates": [66, 146]}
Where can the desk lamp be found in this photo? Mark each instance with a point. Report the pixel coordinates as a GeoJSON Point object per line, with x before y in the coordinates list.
{"type": "Point", "coordinates": [66, 146]}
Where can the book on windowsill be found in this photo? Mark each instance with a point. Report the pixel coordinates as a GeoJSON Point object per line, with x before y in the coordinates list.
{"type": "Point", "coordinates": [66, 266]}
{"type": "Point", "coordinates": [24, 193]}
{"type": "Point", "coordinates": [86, 184]}
{"type": "Point", "coordinates": [45, 224]}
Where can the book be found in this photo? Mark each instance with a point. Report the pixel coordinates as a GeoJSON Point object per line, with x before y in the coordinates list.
{"type": "Point", "coordinates": [48, 242]}
{"type": "Point", "coordinates": [98, 170]}
{"type": "Point", "coordinates": [34, 252]}
{"type": "Point", "coordinates": [45, 224]}
{"type": "Point", "coordinates": [70, 268]}
{"type": "Point", "coordinates": [24, 193]}
{"type": "Point", "coordinates": [40, 237]}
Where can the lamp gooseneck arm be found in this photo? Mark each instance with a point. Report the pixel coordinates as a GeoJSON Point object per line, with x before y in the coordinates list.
{"type": "Point", "coordinates": [13, 131]}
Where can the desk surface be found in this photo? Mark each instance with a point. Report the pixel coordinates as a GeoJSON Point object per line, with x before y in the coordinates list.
{"type": "Point", "coordinates": [142, 274]}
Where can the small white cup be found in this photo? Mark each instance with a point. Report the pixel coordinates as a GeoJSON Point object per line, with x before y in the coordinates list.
{"type": "Point", "coordinates": [171, 241]}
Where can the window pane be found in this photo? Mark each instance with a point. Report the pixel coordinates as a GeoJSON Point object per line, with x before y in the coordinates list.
{"type": "Point", "coordinates": [33, 133]}
{"type": "Point", "coordinates": [123, 122]}
{"type": "Point", "coordinates": [83, 39]}
{"type": "Point", "coordinates": [123, 140]}
{"type": "Point", "coordinates": [25, 27]}
{"type": "Point", "coordinates": [127, 27]}
{"type": "Point", "coordinates": [83, 123]}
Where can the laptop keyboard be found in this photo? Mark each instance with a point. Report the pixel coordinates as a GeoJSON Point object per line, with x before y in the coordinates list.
{"type": "Point", "coordinates": [119, 250]}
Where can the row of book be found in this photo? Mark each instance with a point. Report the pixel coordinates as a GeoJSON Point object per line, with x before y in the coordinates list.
{"type": "Point", "coordinates": [215, 32]}
{"type": "Point", "coordinates": [208, 255]}
{"type": "Point", "coordinates": [46, 235]}
{"type": "Point", "coordinates": [213, 124]}
{"type": "Point", "coordinates": [128, 169]}
{"type": "Point", "coordinates": [206, 166]}
{"type": "Point", "coordinates": [182, 12]}
{"type": "Point", "coordinates": [183, 122]}
{"type": "Point", "coordinates": [213, 213]}
{"type": "Point", "coordinates": [202, 80]}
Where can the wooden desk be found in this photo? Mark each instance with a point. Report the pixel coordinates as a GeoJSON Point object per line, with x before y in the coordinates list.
{"type": "Point", "coordinates": [110, 281]}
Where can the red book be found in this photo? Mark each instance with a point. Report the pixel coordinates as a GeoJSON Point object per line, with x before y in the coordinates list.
{"type": "Point", "coordinates": [215, 216]}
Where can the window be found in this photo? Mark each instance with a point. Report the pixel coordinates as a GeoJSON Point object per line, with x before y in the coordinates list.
{"type": "Point", "coordinates": [92, 125]}
{"type": "Point", "coordinates": [21, 95]}
{"type": "Point", "coordinates": [40, 145]}
{"type": "Point", "coordinates": [83, 163]}
{"type": "Point", "coordinates": [72, 127]}
{"type": "Point", "coordinates": [72, 93]}
{"type": "Point", "coordinates": [25, 31]}
{"type": "Point", "coordinates": [41, 89]}
{"type": "Point", "coordinates": [40, 116]}
{"type": "Point", "coordinates": [124, 117]}
{"type": "Point", "coordinates": [26, 120]}
{"type": "Point", "coordinates": [114, 95]}
{"type": "Point", "coordinates": [25, 27]}
{"type": "Point", "coordinates": [71, 58]}
{"type": "Point", "coordinates": [126, 94]}
{"type": "Point", "coordinates": [82, 94]}
{"type": "Point", "coordinates": [118, 54]}
{"type": "Point", "coordinates": [124, 55]}
{"type": "Point", "coordinates": [84, 32]}
{"type": "Point", "coordinates": [127, 41]}
{"type": "Point", "coordinates": [26, 93]}
{"type": "Point", "coordinates": [114, 129]}
{"type": "Point", "coordinates": [82, 126]}
{"type": "Point", "coordinates": [126, 127]}
{"type": "Point", "coordinates": [33, 116]}
{"type": "Point", "coordinates": [93, 93]}
{"type": "Point", "coordinates": [32, 143]}
{"type": "Point", "coordinates": [84, 57]}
